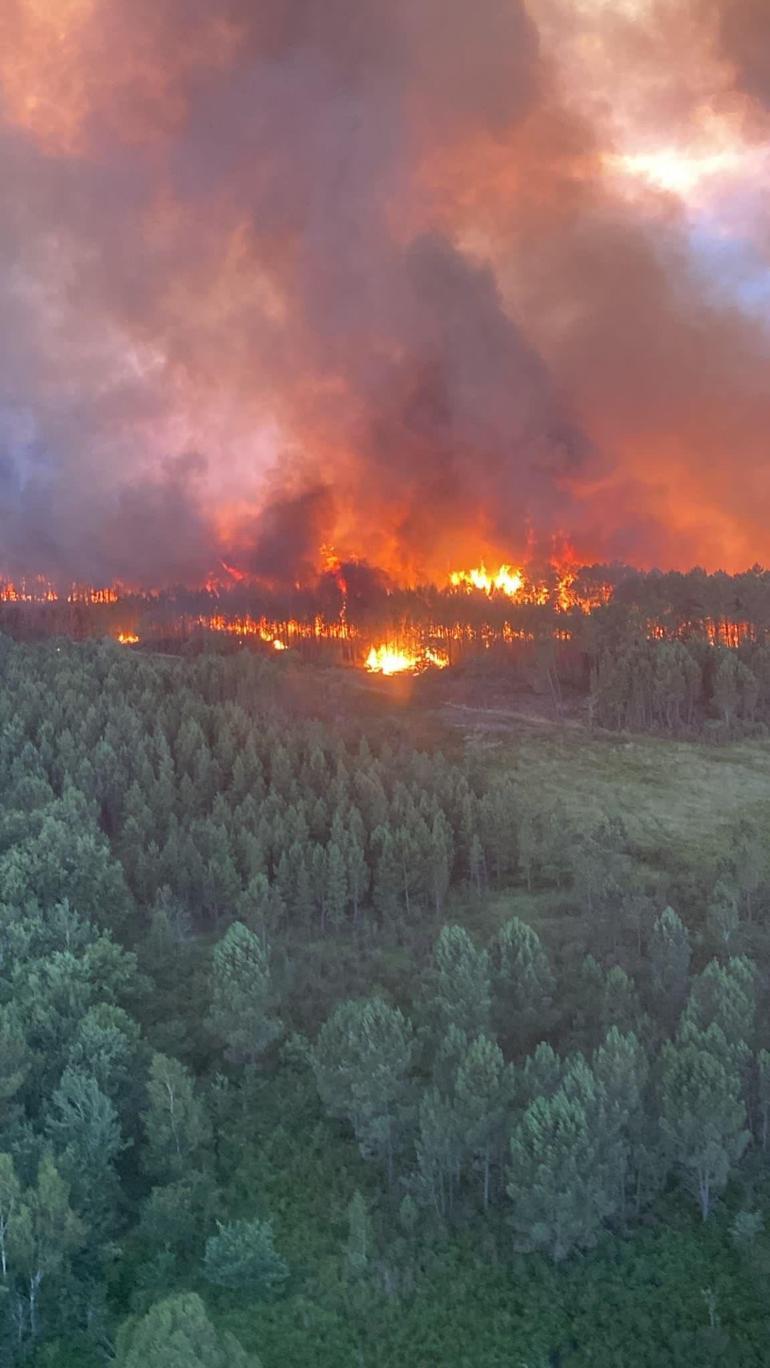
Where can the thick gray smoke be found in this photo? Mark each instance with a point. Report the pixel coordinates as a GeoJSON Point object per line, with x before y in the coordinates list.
{"type": "Point", "coordinates": [337, 271]}
{"type": "Point", "coordinates": [234, 236]}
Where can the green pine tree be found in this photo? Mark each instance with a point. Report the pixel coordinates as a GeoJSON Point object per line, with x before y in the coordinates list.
{"type": "Point", "coordinates": [243, 997]}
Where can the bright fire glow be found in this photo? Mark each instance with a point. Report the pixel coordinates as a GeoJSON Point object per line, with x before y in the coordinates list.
{"type": "Point", "coordinates": [506, 579]}
{"type": "Point", "coordinates": [385, 660]}
{"type": "Point", "coordinates": [406, 641]}
{"type": "Point", "coordinates": [390, 660]}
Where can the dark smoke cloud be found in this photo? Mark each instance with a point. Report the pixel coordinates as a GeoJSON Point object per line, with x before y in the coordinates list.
{"type": "Point", "coordinates": [289, 534]}
{"type": "Point", "coordinates": [369, 261]}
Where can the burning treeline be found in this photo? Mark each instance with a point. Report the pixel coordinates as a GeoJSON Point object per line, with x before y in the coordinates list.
{"type": "Point", "coordinates": [351, 613]}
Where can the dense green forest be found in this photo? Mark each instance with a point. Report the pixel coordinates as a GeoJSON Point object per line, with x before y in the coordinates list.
{"type": "Point", "coordinates": [326, 1039]}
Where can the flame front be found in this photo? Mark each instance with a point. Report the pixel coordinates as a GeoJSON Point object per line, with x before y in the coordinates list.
{"type": "Point", "coordinates": [506, 580]}
{"type": "Point", "coordinates": [378, 624]}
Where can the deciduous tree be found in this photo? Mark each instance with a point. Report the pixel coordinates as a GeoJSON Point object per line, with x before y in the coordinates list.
{"type": "Point", "coordinates": [242, 1255]}
{"type": "Point", "coordinates": [177, 1333]}
{"type": "Point", "coordinates": [176, 1123]}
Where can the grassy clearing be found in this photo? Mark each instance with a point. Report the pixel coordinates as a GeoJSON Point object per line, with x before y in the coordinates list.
{"type": "Point", "coordinates": [671, 794]}
{"type": "Point", "coordinates": [675, 797]}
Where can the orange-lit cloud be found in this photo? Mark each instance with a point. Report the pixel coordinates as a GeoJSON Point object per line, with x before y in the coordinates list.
{"type": "Point", "coordinates": [430, 282]}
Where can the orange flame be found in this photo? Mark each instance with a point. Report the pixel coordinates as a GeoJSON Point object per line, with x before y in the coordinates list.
{"type": "Point", "coordinates": [388, 660]}
{"type": "Point", "coordinates": [439, 659]}
{"type": "Point", "coordinates": [506, 580]}
{"type": "Point", "coordinates": [250, 627]}
{"type": "Point", "coordinates": [408, 644]}
{"type": "Point", "coordinates": [391, 659]}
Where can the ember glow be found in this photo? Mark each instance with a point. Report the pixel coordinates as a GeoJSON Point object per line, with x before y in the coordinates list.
{"type": "Point", "coordinates": [421, 281]}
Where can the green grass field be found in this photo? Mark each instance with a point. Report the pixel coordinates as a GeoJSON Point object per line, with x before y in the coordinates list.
{"type": "Point", "coordinates": [670, 794]}
{"type": "Point", "coordinates": [675, 796]}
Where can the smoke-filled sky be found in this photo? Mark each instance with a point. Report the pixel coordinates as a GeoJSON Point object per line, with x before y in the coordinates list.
{"type": "Point", "coordinates": [423, 280]}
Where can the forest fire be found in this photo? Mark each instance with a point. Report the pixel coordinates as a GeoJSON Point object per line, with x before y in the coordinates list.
{"type": "Point", "coordinates": [247, 627]}
{"type": "Point", "coordinates": [481, 398]}
{"type": "Point", "coordinates": [39, 590]}
{"type": "Point", "coordinates": [355, 615]}
{"type": "Point", "coordinates": [23, 592]}
{"type": "Point", "coordinates": [506, 580]}
{"type": "Point", "coordinates": [351, 613]}
{"type": "Point", "coordinates": [384, 841]}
